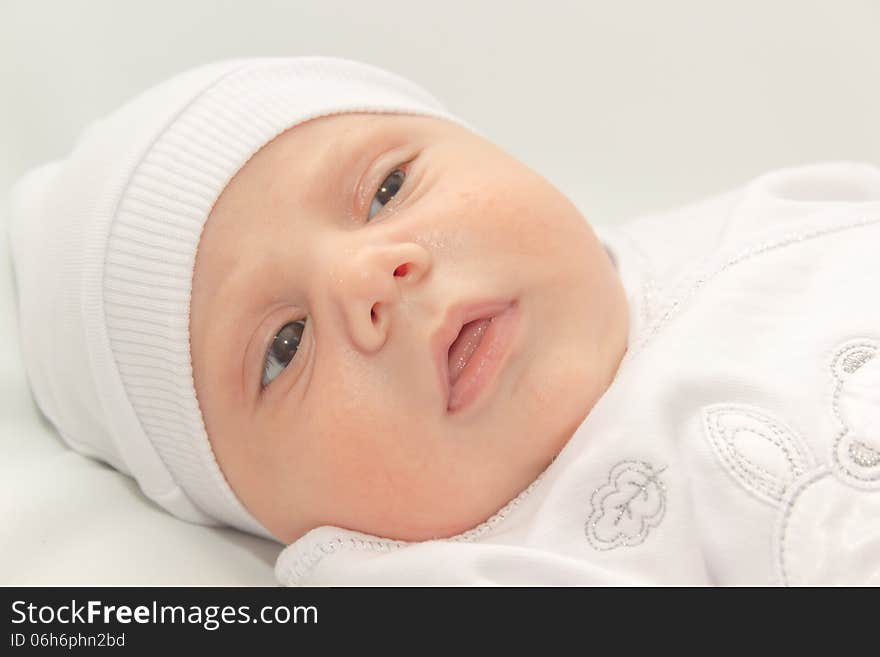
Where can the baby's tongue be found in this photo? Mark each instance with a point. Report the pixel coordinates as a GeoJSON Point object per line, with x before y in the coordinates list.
{"type": "Point", "coordinates": [464, 346]}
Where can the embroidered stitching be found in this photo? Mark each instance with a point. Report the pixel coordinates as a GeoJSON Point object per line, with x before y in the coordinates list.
{"type": "Point", "coordinates": [648, 288]}
{"type": "Point", "coordinates": [610, 501]}
{"type": "Point", "coordinates": [708, 272]}
{"type": "Point", "coordinates": [769, 487]}
{"type": "Point", "coordinates": [846, 360]}
{"type": "Point", "coordinates": [863, 455]}
{"type": "Point", "coordinates": [851, 459]}
{"type": "Point", "coordinates": [785, 517]}
{"type": "Point", "coordinates": [307, 561]}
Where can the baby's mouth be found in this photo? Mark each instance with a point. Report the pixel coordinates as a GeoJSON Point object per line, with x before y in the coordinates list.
{"type": "Point", "coordinates": [463, 347]}
{"type": "Point", "coordinates": [466, 348]}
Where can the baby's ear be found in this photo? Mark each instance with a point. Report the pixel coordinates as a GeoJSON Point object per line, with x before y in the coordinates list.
{"type": "Point", "coordinates": [758, 450]}
{"type": "Point", "coordinates": [850, 357]}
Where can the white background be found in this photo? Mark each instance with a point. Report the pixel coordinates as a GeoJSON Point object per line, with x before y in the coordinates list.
{"type": "Point", "coordinates": [628, 107]}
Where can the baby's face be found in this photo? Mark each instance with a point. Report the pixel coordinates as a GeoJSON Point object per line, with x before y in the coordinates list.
{"type": "Point", "coordinates": [356, 239]}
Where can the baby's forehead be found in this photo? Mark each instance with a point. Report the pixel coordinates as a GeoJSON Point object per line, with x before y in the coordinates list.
{"type": "Point", "coordinates": [299, 170]}
{"type": "Point", "coordinates": [306, 157]}
{"type": "Point", "coordinates": [317, 144]}
{"type": "Point", "coordinates": [343, 128]}
{"type": "Point", "coordinates": [346, 130]}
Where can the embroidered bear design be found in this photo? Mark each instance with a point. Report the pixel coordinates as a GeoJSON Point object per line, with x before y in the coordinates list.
{"type": "Point", "coordinates": [819, 536]}
{"type": "Point", "coordinates": [626, 507]}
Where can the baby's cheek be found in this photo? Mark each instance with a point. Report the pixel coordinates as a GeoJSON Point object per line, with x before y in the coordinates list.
{"type": "Point", "coordinates": [350, 441]}
{"type": "Point", "coordinates": [538, 219]}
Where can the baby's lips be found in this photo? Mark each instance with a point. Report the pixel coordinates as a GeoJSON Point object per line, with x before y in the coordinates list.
{"type": "Point", "coordinates": [457, 315]}
{"type": "Point", "coordinates": [464, 346]}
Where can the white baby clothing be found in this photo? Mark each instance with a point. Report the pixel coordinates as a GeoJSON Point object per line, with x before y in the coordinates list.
{"type": "Point", "coordinates": [739, 442]}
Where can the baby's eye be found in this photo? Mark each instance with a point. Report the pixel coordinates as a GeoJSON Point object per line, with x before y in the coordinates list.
{"type": "Point", "coordinates": [389, 187]}
{"type": "Point", "coordinates": [282, 350]}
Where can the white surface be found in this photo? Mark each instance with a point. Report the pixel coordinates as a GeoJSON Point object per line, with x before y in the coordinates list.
{"type": "Point", "coordinates": [627, 107]}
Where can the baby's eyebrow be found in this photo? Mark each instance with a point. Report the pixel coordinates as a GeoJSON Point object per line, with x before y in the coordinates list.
{"type": "Point", "coordinates": [350, 148]}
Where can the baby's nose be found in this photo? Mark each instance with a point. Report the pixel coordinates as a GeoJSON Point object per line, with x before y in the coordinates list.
{"type": "Point", "coordinates": [370, 282]}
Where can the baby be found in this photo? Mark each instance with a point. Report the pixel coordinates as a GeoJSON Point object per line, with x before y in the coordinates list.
{"type": "Point", "coordinates": [380, 340]}
{"type": "Point", "coordinates": [298, 297]}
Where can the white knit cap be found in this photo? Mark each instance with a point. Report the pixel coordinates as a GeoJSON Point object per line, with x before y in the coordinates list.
{"type": "Point", "coordinates": [104, 244]}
